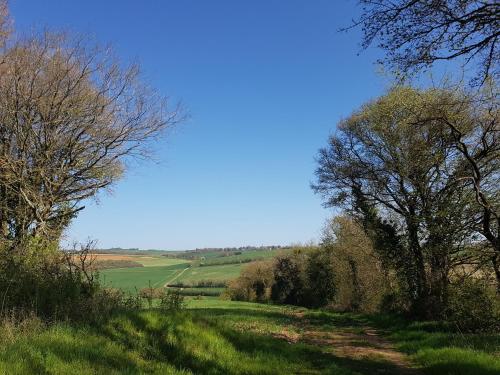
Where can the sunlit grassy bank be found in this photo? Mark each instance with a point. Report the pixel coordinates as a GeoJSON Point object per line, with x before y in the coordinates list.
{"type": "Point", "coordinates": [223, 337]}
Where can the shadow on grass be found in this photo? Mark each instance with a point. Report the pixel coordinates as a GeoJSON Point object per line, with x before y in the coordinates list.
{"type": "Point", "coordinates": [204, 345]}
{"type": "Point", "coordinates": [205, 341]}
{"type": "Point", "coordinates": [433, 345]}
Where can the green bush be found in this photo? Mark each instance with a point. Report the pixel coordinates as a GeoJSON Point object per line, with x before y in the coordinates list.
{"type": "Point", "coordinates": [472, 307]}
{"type": "Point", "coordinates": [319, 274]}
{"type": "Point", "coordinates": [40, 280]}
{"type": "Point", "coordinates": [253, 284]}
{"type": "Point", "coordinates": [288, 285]}
{"type": "Point", "coordinates": [172, 300]}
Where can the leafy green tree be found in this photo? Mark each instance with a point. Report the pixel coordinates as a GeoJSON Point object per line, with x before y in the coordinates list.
{"type": "Point", "coordinates": [288, 283]}
{"type": "Point", "coordinates": [360, 279]}
{"type": "Point", "coordinates": [320, 286]}
{"type": "Point", "coordinates": [396, 164]}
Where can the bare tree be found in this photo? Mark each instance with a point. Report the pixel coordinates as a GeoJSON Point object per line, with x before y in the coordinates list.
{"type": "Point", "coordinates": [4, 22]}
{"type": "Point", "coordinates": [70, 119]}
{"type": "Point", "coordinates": [417, 33]}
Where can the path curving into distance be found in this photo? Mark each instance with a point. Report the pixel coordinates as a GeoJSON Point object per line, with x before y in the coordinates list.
{"type": "Point", "coordinates": [175, 277]}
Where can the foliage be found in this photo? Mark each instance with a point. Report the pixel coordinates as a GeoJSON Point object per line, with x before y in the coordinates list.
{"type": "Point", "coordinates": [320, 279]}
{"type": "Point", "coordinates": [302, 277]}
{"type": "Point", "coordinates": [198, 292]}
{"type": "Point", "coordinates": [39, 281]}
{"type": "Point", "coordinates": [473, 307]}
{"type": "Point", "coordinates": [171, 300]}
{"type": "Point", "coordinates": [200, 284]}
{"type": "Point", "coordinates": [360, 280]}
{"type": "Point", "coordinates": [418, 33]}
{"type": "Point", "coordinates": [254, 283]}
{"type": "Point", "coordinates": [150, 294]}
{"type": "Point", "coordinates": [288, 283]}
{"type": "Point", "coordinates": [71, 117]}
{"type": "Point", "coordinates": [396, 165]}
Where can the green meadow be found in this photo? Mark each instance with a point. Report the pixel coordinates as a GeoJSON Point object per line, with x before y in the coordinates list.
{"type": "Point", "coordinates": [158, 270]}
{"type": "Point", "coordinates": [222, 337]}
{"type": "Point", "coordinates": [218, 273]}
{"type": "Point", "coordinates": [132, 279]}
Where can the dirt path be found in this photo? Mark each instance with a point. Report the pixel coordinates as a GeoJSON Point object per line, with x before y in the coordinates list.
{"type": "Point", "coordinates": [362, 348]}
{"type": "Point", "coordinates": [367, 345]}
{"type": "Point", "coordinates": [175, 277]}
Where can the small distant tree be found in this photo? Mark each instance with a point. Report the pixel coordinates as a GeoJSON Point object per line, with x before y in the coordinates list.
{"type": "Point", "coordinates": [171, 300]}
{"type": "Point", "coordinates": [417, 33]}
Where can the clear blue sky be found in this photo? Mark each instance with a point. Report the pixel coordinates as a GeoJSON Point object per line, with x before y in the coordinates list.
{"type": "Point", "coordinates": [265, 83]}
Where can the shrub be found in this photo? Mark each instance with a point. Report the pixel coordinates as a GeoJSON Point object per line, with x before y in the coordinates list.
{"type": "Point", "coordinates": [288, 285]}
{"type": "Point", "coordinates": [472, 307]}
{"type": "Point", "coordinates": [359, 276]}
{"type": "Point", "coordinates": [40, 279]}
{"type": "Point", "coordinates": [320, 285]}
{"type": "Point", "coordinates": [150, 294]}
{"type": "Point", "coordinates": [254, 283]}
{"type": "Point", "coordinates": [171, 300]}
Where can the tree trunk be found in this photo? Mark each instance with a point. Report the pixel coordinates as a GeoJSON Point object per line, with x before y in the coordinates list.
{"type": "Point", "coordinates": [420, 308]}
{"type": "Point", "coordinates": [496, 268]}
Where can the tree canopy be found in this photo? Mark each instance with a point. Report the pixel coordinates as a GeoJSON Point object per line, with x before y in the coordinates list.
{"type": "Point", "coordinates": [397, 165]}
{"type": "Point", "coordinates": [71, 118]}
{"type": "Point", "coordinates": [417, 33]}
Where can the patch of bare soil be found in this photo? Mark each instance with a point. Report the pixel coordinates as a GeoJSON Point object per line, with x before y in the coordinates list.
{"type": "Point", "coordinates": [364, 347]}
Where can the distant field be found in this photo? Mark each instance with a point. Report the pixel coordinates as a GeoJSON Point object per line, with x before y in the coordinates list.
{"type": "Point", "coordinates": [244, 257]}
{"type": "Point", "coordinates": [145, 260]}
{"type": "Point", "coordinates": [158, 270]}
{"type": "Point", "coordinates": [130, 279]}
{"type": "Point", "coordinates": [215, 273]}
{"type": "Point", "coordinates": [200, 291]}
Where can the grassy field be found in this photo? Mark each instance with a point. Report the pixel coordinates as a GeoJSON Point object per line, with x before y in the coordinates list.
{"type": "Point", "coordinates": [243, 257]}
{"type": "Point", "coordinates": [130, 279]}
{"type": "Point", "coordinates": [223, 337]}
{"type": "Point", "coordinates": [145, 260]}
{"type": "Point", "coordinates": [159, 270]}
{"type": "Point", "coordinates": [200, 291]}
{"type": "Point", "coordinates": [214, 273]}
